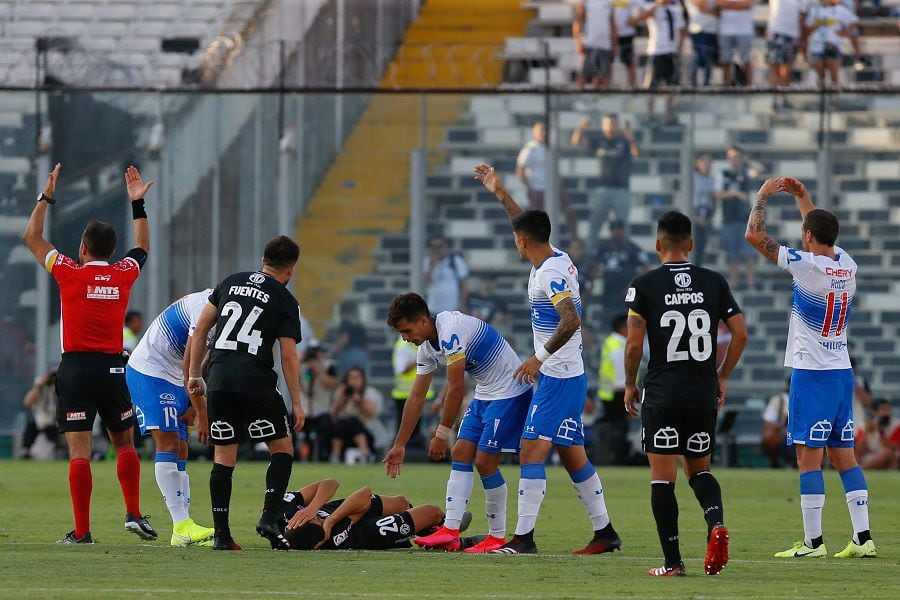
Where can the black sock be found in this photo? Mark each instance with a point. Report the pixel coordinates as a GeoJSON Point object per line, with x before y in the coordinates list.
{"type": "Point", "coordinates": [220, 494]}
{"type": "Point", "coordinates": [816, 542]}
{"type": "Point", "coordinates": [864, 536]}
{"type": "Point", "coordinates": [528, 538]}
{"type": "Point", "coordinates": [607, 533]}
{"type": "Point", "coordinates": [277, 478]}
{"type": "Point", "coordinates": [709, 495]}
{"type": "Point", "coordinates": [665, 511]}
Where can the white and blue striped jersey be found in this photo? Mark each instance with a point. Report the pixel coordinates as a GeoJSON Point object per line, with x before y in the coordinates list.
{"type": "Point", "coordinates": [490, 360]}
{"type": "Point", "coordinates": [161, 351]}
{"type": "Point", "coordinates": [555, 280]}
{"type": "Point", "coordinates": [823, 295]}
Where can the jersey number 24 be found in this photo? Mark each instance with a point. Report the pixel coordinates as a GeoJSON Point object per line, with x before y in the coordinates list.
{"type": "Point", "coordinates": [245, 335]}
{"type": "Point", "coordinates": [700, 343]}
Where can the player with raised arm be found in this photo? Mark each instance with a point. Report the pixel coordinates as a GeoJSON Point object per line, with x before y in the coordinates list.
{"type": "Point", "coordinates": [678, 307]}
{"type": "Point", "coordinates": [820, 414]}
{"type": "Point", "coordinates": [554, 417]}
{"type": "Point", "coordinates": [493, 421]}
{"type": "Point", "coordinates": [91, 377]}
{"type": "Point", "coordinates": [157, 374]}
{"type": "Point", "coordinates": [251, 312]}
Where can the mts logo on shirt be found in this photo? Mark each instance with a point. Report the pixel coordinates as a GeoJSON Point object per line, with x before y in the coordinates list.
{"type": "Point", "coordinates": [103, 292]}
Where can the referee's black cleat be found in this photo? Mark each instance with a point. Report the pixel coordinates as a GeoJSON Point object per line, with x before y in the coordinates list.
{"type": "Point", "coordinates": [268, 528]}
{"type": "Point", "coordinates": [71, 539]}
{"type": "Point", "coordinates": [516, 546]}
{"type": "Point", "coordinates": [140, 527]}
{"type": "Point", "coordinates": [223, 540]}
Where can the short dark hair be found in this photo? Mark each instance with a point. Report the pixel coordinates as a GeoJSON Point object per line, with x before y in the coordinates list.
{"type": "Point", "coordinates": [305, 537]}
{"type": "Point", "coordinates": [616, 225]}
{"type": "Point", "coordinates": [100, 239]}
{"type": "Point", "coordinates": [533, 224]}
{"type": "Point", "coordinates": [823, 225]}
{"type": "Point", "coordinates": [674, 226]}
{"type": "Point", "coordinates": [133, 314]}
{"type": "Point", "coordinates": [281, 253]}
{"type": "Point", "coordinates": [406, 307]}
{"type": "Point", "coordinates": [619, 321]}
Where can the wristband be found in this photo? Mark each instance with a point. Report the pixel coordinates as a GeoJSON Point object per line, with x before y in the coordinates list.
{"type": "Point", "coordinates": [442, 432]}
{"type": "Point", "coordinates": [198, 378]}
{"type": "Point", "coordinates": [137, 209]}
{"type": "Point", "coordinates": [46, 198]}
{"type": "Point", "coordinates": [541, 354]}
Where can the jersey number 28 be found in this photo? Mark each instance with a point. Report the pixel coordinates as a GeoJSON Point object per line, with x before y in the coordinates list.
{"type": "Point", "coordinates": [246, 334]}
{"type": "Point", "coordinates": [700, 343]}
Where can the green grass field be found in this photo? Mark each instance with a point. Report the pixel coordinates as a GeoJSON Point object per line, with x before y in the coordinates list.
{"type": "Point", "coordinates": [761, 508]}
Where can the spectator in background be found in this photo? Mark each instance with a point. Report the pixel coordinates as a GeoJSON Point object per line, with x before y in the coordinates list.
{"type": "Point", "coordinates": [40, 440]}
{"type": "Point", "coordinates": [665, 37]}
{"type": "Point", "coordinates": [531, 169]}
{"type": "Point", "coordinates": [878, 444]}
{"type": "Point", "coordinates": [703, 205]}
{"type": "Point", "coordinates": [611, 392]}
{"type": "Point", "coordinates": [445, 276]}
{"type": "Point", "coordinates": [576, 253]}
{"type": "Point", "coordinates": [318, 381]}
{"type": "Point", "coordinates": [783, 31]}
{"type": "Point", "coordinates": [485, 304]}
{"type": "Point", "coordinates": [736, 183]}
{"type": "Point", "coordinates": [826, 23]}
{"type": "Point", "coordinates": [131, 332]}
{"type": "Point", "coordinates": [618, 260]}
{"type": "Point", "coordinates": [350, 347]}
{"type": "Point", "coordinates": [594, 30]}
{"type": "Point", "coordinates": [625, 43]}
{"type": "Point", "coordinates": [615, 151]}
{"type": "Point", "coordinates": [736, 40]}
{"type": "Point", "coordinates": [703, 26]}
{"type": "Point", "coordinates": [403, 360]}
{"type": "Point", "coordinates": [354, 414]}
{"type": "Point", "coordinates": [774, 433]}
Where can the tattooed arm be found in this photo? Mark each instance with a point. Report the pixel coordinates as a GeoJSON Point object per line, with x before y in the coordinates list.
{"type": "Point", "coordinates": [634, 352]}
{"type": "Point", "coordinates": [569, 322]}
{"type": "Point", "coordinates": [756, 233]}
{"type": "Point", "coordinates": [489, 179]}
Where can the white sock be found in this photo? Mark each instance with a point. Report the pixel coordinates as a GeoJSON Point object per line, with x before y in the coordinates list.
{"type": "Point", "coordinates": [459, 490]}
{"type": "Point", "coordinates": [168, 478]}
{"type": "Point", "coordinates": [186, 491]}
{"type": "Point", "coordinates": [590, 492]}
{"type": "Point", "coordinates": [811, 505]}
{"type": "Point", "coordinates": [531, 494]}
{"type": "Point", "coordinates": [495, 506]}
{"type": "Point", "coordinates": [858, 505]}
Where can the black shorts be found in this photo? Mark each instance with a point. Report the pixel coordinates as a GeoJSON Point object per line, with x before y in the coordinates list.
{"type": "Point", "coordinates": [662, 71]}
{"type": "Point", "coordinates": [235, 418]}
{"type": "Point", "coordinates": [597, 63]}
{"type": "Point", "coordinates": [626, 50]}
{"type": "Point", "coordinates": [389, 531]}
{"type": "Point", "coordinates": [88, 383]}
{"type": "Point", "coordinates": [673, 430]}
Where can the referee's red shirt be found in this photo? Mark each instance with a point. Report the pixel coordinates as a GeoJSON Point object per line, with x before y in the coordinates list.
{"type": "Point", "coordinates": [94, 298]}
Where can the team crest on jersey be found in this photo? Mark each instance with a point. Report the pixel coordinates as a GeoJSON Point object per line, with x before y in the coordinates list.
{"type": "Point", "coordinates": [103, 292]}
{"type": "Point", "coordinates": [257, 278]}
{"type": "Point", "coordinates": [404, 529]}
{"type": "Point", "coordinates": [682, 280]}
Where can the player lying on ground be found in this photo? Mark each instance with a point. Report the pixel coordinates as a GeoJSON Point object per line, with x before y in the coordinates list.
{"type": "Point", "coordinates": [820, 411]}
{"type": "Point", "coordinates": [310, 520]}
{"type": "Point", "coordinates": [157, 374]}
{"type": "Point", "coordinates": [554, 417]}
{"type": "Point", "coordinates": [493, 421]}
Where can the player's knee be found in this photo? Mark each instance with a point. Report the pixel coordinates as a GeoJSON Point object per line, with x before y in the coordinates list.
{"type": "Point", "coordinates": [486, 463]}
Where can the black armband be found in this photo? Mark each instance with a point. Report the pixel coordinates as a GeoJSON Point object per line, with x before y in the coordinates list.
{"type": "Point", "coordinates": [137, 209]}
{"type": "Point", "coordinates": [138, 255]}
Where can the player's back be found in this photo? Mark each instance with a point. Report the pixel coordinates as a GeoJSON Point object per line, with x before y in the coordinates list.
{"type": "Point", "coordinates": [253, 310]}
{"type": "Point", "coordinates": [682, 305]}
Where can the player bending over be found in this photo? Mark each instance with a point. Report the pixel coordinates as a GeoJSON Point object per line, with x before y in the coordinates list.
{"type": "Point", "coordinates": [820, 411]}
{"type": "Point", "coordinates": [310, 520]}
{"type": "Point", "coordinates": [492, 423]}
{"type": "Point", "coordinates": [554, 417]}
{"type": "Point", "coordinates": [678, 306]}
{"type": "Point", "coordinates": [157, 376]}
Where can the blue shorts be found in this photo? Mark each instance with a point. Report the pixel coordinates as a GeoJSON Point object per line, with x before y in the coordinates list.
{"type": "Point", "coordinates": [820, 411]}
{"type": "Point", "coordinates": [555, 411]}
{"type": "Point", "coordinates": [157, 403]}
{"type": "Point", "coordinates": [495, 425]}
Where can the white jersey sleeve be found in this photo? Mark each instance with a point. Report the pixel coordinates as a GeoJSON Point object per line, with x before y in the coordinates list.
{"type": "Point", "coordinates": [427, 360]}
{"type": "Point", "coordinates": [551, 283]}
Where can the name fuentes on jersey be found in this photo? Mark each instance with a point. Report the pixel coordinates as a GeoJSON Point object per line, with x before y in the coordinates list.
{"type": "Point", "coordinates": [683, 298]}
{"type": "Point", "coordinates": [242, 290]}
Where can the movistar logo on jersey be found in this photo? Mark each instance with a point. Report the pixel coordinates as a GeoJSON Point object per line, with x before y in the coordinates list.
{"type": "Point", "coordinates": [452, 345]}
{"type": "Point", "coordinates": [558, 286]}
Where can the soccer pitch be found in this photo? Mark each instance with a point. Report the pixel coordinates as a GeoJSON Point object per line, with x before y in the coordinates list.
{"type": "Point", "coordinates": [761, 510]}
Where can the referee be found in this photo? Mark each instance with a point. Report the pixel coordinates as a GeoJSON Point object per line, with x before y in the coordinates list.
{"type": "Point", "coordinates": [91, 377]}
{"type": "Point", "coordinates": [678, 306]}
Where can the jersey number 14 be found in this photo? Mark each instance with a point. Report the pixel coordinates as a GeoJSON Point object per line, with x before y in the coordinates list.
{"type": "Point", "coordinates": [700, 346]}
{"type": "Point", "coordinates": [245, 335]}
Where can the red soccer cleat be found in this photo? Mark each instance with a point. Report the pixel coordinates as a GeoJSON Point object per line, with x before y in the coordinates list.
{"type": "Point", "coordinates": [486, 545]}
{"type": "Point", "coordinates": [600, 546]}
{"type": "Point", "coordinates": [716, 550]}
{"type": "Point", "coordinates": [668, 572]}
{"type": "Point", "coordinates": [440, 537]}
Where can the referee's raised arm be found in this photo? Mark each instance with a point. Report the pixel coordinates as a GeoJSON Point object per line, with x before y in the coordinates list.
{"type": "Point", "coordinates": [137, 189]}
{"type": "Point", "coordinates": [34, 231]}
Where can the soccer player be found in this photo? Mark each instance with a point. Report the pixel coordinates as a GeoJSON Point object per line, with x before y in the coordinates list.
{"type": "Point", "coordinates": [493, 421]}
{"type": "Point", "coordinates": [91, 377]}
{"type": "Point", "coordinates": [251, 311]}
{"type": "Point", "coordinates": [678, 307]}
{"type": "Point", "coordinates": [362, 521]}
{"type": "Point", "coordinates": [156, 376]}
{"type": "Point", "coordinates": [554, 417]}
{"type": "Point", "coordinates": [820, 413]}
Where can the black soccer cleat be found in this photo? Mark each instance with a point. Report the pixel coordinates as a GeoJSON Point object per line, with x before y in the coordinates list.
{"type": "Point", "coordinates": [71, 539]}
{"type": "Point", "coordinates": [516, 546]}
{"type": "Point", "coordinates": [223, 541]}
{"type": "Point", "coordinates": [140, 527]}
{"type": "Point", "coordinates": [268, 528]}
{"type": "Point", "coordinates": [601, 545]}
